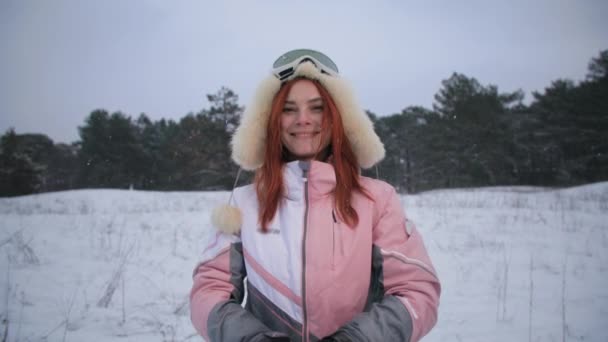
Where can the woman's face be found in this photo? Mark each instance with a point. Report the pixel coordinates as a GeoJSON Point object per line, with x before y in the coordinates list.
{"type": "Point", "coordinates": [301, 121]}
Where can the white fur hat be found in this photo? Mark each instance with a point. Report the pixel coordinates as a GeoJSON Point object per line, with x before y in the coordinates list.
{"type": "Point", "coordinates": [249, 140]}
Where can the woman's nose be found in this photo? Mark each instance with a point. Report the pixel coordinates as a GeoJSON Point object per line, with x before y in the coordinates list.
{"type": "Point", "coordinates": [304, 117]}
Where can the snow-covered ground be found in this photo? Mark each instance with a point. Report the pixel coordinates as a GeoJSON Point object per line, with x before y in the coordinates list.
{"type": "Point", "coordinates": [517, 264]}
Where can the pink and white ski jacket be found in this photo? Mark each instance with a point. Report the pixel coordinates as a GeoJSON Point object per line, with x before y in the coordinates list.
{"type": "Point", "coordinates": [311, 275]}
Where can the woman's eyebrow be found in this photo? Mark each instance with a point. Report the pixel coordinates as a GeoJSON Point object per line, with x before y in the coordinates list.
{"type": "Point", "coordinates": [316, 99]}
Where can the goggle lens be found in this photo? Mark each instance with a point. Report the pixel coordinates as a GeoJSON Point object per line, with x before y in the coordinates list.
{"type": "Point", "coordinates": [302, 54]}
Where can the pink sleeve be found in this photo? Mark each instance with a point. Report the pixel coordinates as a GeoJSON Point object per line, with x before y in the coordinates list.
{"type": "Point", "coordinates": [217, 278]}
{"type": "Point", "coordinates": [408, 272]}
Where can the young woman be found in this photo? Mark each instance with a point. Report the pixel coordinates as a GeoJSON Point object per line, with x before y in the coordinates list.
{"type": "Point", "coordinates": [327, 253]}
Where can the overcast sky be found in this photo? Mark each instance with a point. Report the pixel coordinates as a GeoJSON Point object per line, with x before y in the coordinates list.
{"type": "Point", "coordinates": [61, 59]}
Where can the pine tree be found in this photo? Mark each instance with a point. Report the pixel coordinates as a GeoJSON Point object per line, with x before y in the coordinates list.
{"type": "Point", "coordinates": [19, 174]}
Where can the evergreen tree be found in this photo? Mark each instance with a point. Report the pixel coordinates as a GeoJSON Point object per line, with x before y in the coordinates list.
{"type": "Point", "coordinates": [110, 154]}
{"type": "Point", "coordinates": [476, 121]}
{"type": "Point", "coordinates": [62, 168]}
{"type": "Point", "coordinates": [409, 163]}
{"type": "Point", "coordinates": [154, 138]}
{"type": "Point", "coordinates": [201, 148]}
{"type": "Point", "coordinates": [597, 70]}
{"type": "Point", "coordinates": [575, 125]}
{"type": "Point", "coordinates": [19, 174]}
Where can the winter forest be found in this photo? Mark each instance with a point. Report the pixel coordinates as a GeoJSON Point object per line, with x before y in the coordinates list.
{"type": "Point", "coordinates": [99, 237]}
{"type": "Point", "coordinates": [475, 135]}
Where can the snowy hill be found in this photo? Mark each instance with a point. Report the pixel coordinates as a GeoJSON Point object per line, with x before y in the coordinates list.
{"type": "Point", "coordinates": [517, 264]}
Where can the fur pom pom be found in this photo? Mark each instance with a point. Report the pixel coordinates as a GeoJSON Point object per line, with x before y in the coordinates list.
{"type": "Point", "coordinates": [227, 219]}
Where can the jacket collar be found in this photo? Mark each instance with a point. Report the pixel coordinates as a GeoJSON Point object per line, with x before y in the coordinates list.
{"type": "Point", "coordinates": [321, 180]}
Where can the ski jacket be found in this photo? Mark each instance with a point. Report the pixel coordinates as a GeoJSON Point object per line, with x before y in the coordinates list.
{"type": "Point", "coordinates": [310, 275]}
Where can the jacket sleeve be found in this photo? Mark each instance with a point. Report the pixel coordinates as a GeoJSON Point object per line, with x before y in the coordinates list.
{"type": "Point", "coordinates": [217, 294]}
{"type": "Point", "coordinates": [410, 285]}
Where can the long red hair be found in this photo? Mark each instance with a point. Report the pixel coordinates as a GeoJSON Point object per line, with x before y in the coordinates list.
{"type": "Point", "coordinates": [269, 177]}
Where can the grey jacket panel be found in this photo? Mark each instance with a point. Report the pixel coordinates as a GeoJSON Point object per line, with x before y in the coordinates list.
{"type": "Point", "coordinates": [376, 284]}
{"type": "Point", "coordinates": [238, 272]}
{"type": "Point", "coordinates": [229, 321]}
{"type": "Point", "coordinates": [388, 320]}
{"type": "Point", "coordinates": [271, 315]}
{"type": "Point", "coordinates": [384, 319]}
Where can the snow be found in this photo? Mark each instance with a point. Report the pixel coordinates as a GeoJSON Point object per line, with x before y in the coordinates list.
{"type": "Point", "coordinates": [516, 264]}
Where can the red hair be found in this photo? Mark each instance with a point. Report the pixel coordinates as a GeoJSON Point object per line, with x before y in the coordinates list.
{"type": "Point", "coordinates": [269, 178]}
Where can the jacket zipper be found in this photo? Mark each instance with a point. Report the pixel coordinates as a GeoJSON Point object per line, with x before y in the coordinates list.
{"type": "Point", "coordinates": [304, 313]}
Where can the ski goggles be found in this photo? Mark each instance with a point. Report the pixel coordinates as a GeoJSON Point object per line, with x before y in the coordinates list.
{"type": "Point", "coordinates": [285, 66]}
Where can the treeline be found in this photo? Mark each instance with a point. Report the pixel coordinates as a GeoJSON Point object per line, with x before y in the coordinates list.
{"type": "Point", "coordinates": [473, 136]}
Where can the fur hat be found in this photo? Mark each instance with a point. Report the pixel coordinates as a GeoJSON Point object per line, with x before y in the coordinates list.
{"type": "Point", "coordinates": [249, 139]}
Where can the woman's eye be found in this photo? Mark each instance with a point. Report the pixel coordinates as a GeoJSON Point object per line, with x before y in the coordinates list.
{"type": "Point", "coordinates": [288, 110]}
{"type": "Point", "coordinates": [317, 109]}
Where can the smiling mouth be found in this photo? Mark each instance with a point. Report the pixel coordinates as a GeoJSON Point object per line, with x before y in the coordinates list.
{"type": "Point", "coordinates": [304, 134]}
